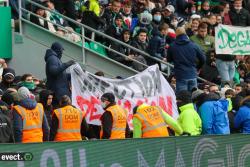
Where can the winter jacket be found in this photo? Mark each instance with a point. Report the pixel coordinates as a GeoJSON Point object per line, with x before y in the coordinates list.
{"type": "Point", "coordinates": [156, 46]}
{"type": "Point", "coordinates": [6, 130]}
{"type": "Point", "coordinates": [93, 6]}
{"type": "Point", "coordinates": [123, 50]}
{"type": "Point", "coordinates": [109, 17]}
{"type": "Point", "coordinates": [206, 44]}
{"type": "Point", "coordinates": [189, 120]}
{"type": "Point", "coordinates": [18, 122]}
{"type": "Point", "coordinates": [242, 117]}
{"type": "Point", "coordinates": [186, 56]}
{"type": "Point", "coordinates": [57, 78]}
{"type": "Point", "coordinates": [240, 19]}
{"type": "Point", "coordinates": [214, 117]}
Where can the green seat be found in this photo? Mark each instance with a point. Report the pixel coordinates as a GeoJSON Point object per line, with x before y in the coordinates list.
{"type": "Point", "coordinates": [86, 44]}
{"type": "Point", "coordinates": [97, 47]}
{"type": "Point", "coordinates": [78, 30]}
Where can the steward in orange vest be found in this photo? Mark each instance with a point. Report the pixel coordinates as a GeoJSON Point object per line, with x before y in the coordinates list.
{"type": "Point", "coordinates": [152, 121]}
{"type": "Point", "coordinates": [29, 121]}
{"type": "Point", "coordinates": [68, 122]}
{"type": "Point", "coordinates": [114, 119]}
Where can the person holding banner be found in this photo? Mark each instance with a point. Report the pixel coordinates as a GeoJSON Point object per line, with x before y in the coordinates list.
{"type": "Point", "coordinates": [152, 121]}
{"type": "Point", "coordinates": [57, 78]}
{"type": "Point", "coordinates": [68, 122]}
{"type": "Point", "coordinates": [114, 119]}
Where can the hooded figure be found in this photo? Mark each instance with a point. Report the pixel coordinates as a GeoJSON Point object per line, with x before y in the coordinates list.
{"type": "Point", "coordinates": [45, 98]}
{"type": "Point", "coordinates": [57, 78]}
{"type": "Point", "coordinates": [8, 77]}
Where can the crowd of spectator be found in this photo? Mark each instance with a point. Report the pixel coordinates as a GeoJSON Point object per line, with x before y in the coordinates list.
{"type": "Point", "coordinates": [151, 28]}
{"type": "Point", "coordinates": [164, 29]}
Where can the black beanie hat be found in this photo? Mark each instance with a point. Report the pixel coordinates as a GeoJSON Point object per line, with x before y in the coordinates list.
{"type": "Point", "coordinates": [155, 10]}
{"type": "Point", "coordinates": [9, 71]}
{"type": "Point", "coordinates": [8, 98]}
{"type": "Point", "coordinates": [184, 96]}
{"type": "Point", "coordinates": [109, 97]}
{"type": "Point", "coordinates": [118, 16]}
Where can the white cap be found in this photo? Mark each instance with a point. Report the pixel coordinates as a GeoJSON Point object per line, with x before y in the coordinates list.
{"type": "Point", "coordinates": [170, 8]}
{"type": "Point", "coordinates": [195, 16]}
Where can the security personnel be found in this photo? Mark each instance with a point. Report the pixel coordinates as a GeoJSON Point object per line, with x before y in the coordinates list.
{"type": "Point", "coordinates": [68, 123]}
{"type": "Point", "coordinates": [152, 121]}
{"type": "Point", "coordinates": [114, 119]}
{"type": "Point", "coordinates": [29, 121]}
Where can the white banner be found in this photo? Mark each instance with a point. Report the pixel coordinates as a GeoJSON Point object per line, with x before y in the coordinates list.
{"type": "Point", "coordinates": [232, 40]}
{"type": "Point", "coordinates": [148, 87]}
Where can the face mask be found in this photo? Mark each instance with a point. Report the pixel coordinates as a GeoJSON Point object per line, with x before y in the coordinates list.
{"type": "Point", "coordinates": [29, 85]}
{"type": "Point", "coordinates": [238, 8]}
{"type": "Point", "coordinates": [157, 18]}
{"type": "Point", "coordinates": [174, 23]}
{"type": "Point", "coordinates": [103, 105]}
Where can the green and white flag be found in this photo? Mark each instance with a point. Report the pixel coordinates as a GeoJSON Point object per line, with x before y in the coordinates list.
{"type": "Point", "coordinates": [232, 40]}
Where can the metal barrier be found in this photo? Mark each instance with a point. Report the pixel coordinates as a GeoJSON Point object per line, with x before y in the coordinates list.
{"type": "Point", "coordinates": [94, 31]}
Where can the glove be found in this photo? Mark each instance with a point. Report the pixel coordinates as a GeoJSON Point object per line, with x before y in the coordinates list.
{"type": "Point", "coordinates": [69, 63]}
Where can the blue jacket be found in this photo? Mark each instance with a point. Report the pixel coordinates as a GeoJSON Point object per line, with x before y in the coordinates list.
{"type": "Point", "coordinates": [187, 57]}
{"type": "Point", "coordinates": [57, 78]}
{"type": "Point", "coordinates": [18, 122]}
{"type": "Point", "coordinates": [156, 46]}
{"type": "Point", "coordinates": [242, 118]}
{"type": "Point", "coordinates": [214, 117]}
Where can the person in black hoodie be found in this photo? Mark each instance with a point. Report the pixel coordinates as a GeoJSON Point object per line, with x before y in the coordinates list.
{"type": "Point", "coordinates": [45, 98]}
{"type": "Point", "coordinates": [57, 78]}
{"type": "Point", "coordinates": [123, 49]}
{"type": "Point", "coordinates": [8, 77]}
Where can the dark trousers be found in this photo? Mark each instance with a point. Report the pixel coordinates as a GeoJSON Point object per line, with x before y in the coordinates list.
{"type": "Point", "coordinates": [67, 8]}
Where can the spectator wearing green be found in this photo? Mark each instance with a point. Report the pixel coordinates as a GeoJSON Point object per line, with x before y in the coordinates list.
{"type": "Point", "coordinates": [205, 41]}
{"type": "Point", "coordinates": [189, 120]}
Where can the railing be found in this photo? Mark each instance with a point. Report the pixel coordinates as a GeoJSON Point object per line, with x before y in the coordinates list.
{"type": "Point", "coordinates": [94, 31]}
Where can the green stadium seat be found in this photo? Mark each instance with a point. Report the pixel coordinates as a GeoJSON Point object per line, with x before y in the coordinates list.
{"type": "Point", "coordinates": [98, 48]}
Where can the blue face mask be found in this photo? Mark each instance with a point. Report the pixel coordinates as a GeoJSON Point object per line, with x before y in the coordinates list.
{"type": "Point", "coordinates": [157, 18]}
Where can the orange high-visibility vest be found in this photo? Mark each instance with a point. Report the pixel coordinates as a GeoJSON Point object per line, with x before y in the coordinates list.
{"type": "Point", "coordinates": [32, 123]}
{"type": "Point", "coordinates": [153, 124]}
{"type": "Point", "coordinates": [69, 127]}
{"type": "Point", "coordinates": [119, 116]}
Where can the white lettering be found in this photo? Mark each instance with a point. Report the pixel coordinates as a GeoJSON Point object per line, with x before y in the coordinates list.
{"type": "Point", "coordinates": [143, 163]}
{"type": "Point", "coordinates": [204, 145]}
{"type": "Point", "coordinates": [69, 158]}
{"type": "Point", "coordinates": [49, 154]}
{"type": "Point", "coordinates": [82, 156]}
